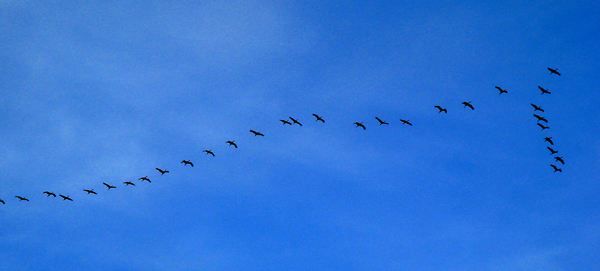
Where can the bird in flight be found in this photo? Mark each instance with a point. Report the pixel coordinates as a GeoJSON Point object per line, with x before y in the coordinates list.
{"type": "Point", "coordinates": [231, 143]}
{"type": "Point", "coordinates": [319, 118]}
{"type": "Point", "coordinates": [543, 127]}
{"type": "Point", "coordinates": [405, 122]}
{"type": "Point", "coordinates": [49, 194]}
{"type": "Point", "coordinates": [554, 71]}
{"type": "Point", "coordinates": [537, 108]}
{"type": "Point", "coordinates": [549, 139]}
{"type": "Point", "coordinates": [380, 121]}
{"type": "Point", "coordinates": [128, 183]}
{"type": "Point", "coordinates": [284, 122]}
{"type": "Point", "coordinates": [540, 118]}
{"type": "Point", "coordinates": [556, 169]}
{"type": "Point", "coordinates": [90, 191]}
{"type": "Point", "coordinates": [109, 186]}
{"type": "Point", "coordinates": [359, 124]}
{"type": "Point", "coordinates": [145, 178]}
{"type": "Point", "coordinates": [257, 133]}
{"type": "Point", "coordinates": [544, 90]}
{"type": "Point", "coordinates": [552, 151]}
{"type": "Point", "coordinates": [209, 152]}
{"type": "Point", "coordinates": [501, 90]}
{"type": "Point", "coordinates": [162, 172]}
{"type": "Point", "coordinates": [296, 121]}
{"type": "Point", "coordinates": [469, 105]}
{"type": "Point", "coordinates": [2, 201]}
{"type": "Point", "coordinates": [559, 159]}
{"type": "Point", "coordinates": [441, 109]}
{"type": "Point", "coordinates": [65, 197]}
{"type": "Point", "coordinates": [187, 162]}
{"type": "Point", "coordinates": [21, 198]}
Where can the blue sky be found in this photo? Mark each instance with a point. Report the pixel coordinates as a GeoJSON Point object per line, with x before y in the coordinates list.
{"type": "Point", "coordinates": [107, 91]}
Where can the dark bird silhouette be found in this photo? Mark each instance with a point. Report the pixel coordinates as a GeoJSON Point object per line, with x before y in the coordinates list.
{"type": "Point", "coordinates": [90, 191]}
{"type": "Point", "coordinates": [285, 122]}
{"type": "Point", "coordinates": [257, 133]}
{"type": "Point", "coordinates": [162, 172]}
{"type": "Point", "coordinates": [537, 108]}
{"type": "Point", "coordinates": [501, 90]}
{"type": "Point", "coordinates": [469, 105]}
{"type": "Point", "coordinates": [380, 121]}
{"type": "Point", "coordinates": [540, 118]}
{"type": "Point", "coordinates": [543, 127]}
{"type": "Point", "coordinates": [556, 169]}
{"type": "Point", "coordinates": [359, 124]}
{"type": "Point", "coordinates": [554, 71]}
{"type": "Point", "coordinates": [65, 197]}
{"type": "Point", "coordinates": [209, 152]}
{"type": "Point", "coordinates": [145, 178]}
{"type": "Point", "coordinates": [559, 159]}
{"type": "Point", "coordinates": [441, 109]}
{"type": "Point", "coordinates": [187, 162]}
{"type": "Point", "coordinates": [231, 143]}
{"type": "Point", "coordinates": [544, 90]}
{"type": "Point", "coordinates": [549, 139]}
{"type": "Point", "coordinates": [2, 201]}
{"type": "Point", "coordinates": [109, 186]}
{"type": "Point", "coordinates": [128, 183]}
{"type": "Point", "coordinates": [21, 198]}
{"type": "Point", "coordinates": [49, 194]}
{"type": "Point", "coordinates": [552, 151]}
{"type": "Point", "coordinates": [405, 122]}
{"type": "Point", "coordinates": [319, 118]}
{"type": "Point", "coordinates": [296, 121]}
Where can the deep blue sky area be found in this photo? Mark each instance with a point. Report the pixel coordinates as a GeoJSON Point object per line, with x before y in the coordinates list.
{"type": "Point", "coordinates": [95, 92]}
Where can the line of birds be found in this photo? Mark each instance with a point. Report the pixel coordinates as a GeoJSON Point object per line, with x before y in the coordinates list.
{"type": "Point", "coordinates": [320, 119]}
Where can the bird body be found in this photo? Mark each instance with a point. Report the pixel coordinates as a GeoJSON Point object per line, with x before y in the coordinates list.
{"type": "Point", "coordinates": [556, 169]}
{"type": "Point", "coordinates": [559, 159]}
{"type": "Point", "coordinates": [359, 124]}
{"type": "Point", "coordinates": [554, 71]}
{"type": "Point", "coordinates": [544, 90]}
{"type": "Point", "coordinates": [128, 183]}
{"type": "Point", "coordinates": [501, 90]}
{"type": "Point", "coordinates": [209, 152]}
{"type": "Point", "coordinates": [549, 139]}
{"type": "Point", "coordinates": [441, 109]}
{"type": "Point", "coordinates": [65, 197]}
{"type": "Point", "coordinates": [257, 133]}
{"type": "Point", "coordinates": [2, 201]}
{"type": "Point", "coordinates": [381, 121]}
{"type": "Point", "coordinates": [162, 172]}
{"type": "Point", "coordinates": [543, 127]}
{"type": "Point", "coordinates": [540, 118]}
{"type": "Point", "coordinates": [231, 143]}
{"type": "Point", "coordinates": [296, 121]}
{"type": "Point", "coordinates": [90, 191]}
{"type": "Point", "coordinates": [187, 162]}
{"type": "Point", "coordinates": [319, 118]}
{"type": "Point", "coordinates": [469, 105]}
{"type": "Point", "coordinates": [552, 151]}
{"type": "Point", "coordinates": [21, 198]}
{"type": "Point", "coordinates": [405, 122]}
{"type": "Point", "coordinates": [49, 194]}
{"type": "Point", "coordinates": [109, 186]}
{"type": "Point", "coordinates": [145, 178]}
{"type": "Point", "coordinates": [284, 122]}
{"type": "Point", "coordinates": [537, 108]}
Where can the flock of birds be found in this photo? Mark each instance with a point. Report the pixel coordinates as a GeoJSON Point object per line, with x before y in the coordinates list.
{"type": "Point", "coordinates": [357, 125]}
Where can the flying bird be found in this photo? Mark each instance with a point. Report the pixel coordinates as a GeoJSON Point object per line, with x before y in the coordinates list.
{"type": "Point", "coordinates": [2, 201]}
{"type": "Point", "coordinates": [65, 197]}
{"type": "Point", "coordinates": [90, 191]}
{"type": "Point", "coordinates": [162, 172]}
{"type": "Point", "coordinates": [109, 186]}
{"type": "Point", "coordinates": [381, 121]}
{"type": "Point", "coordinates": [544, 90]}
{"type": "Point", "coordinates": [359, 124]}
{"type": "Point", "coordinates": [231, 143]}
{"type": "Point", "coordinates": [187, 162]}
{"type": "Point", "coordinates": [285, 122]}
{"type": "Point", "coordinates": [553, 71]}
{"type": "Point", "coordinates": [540, 118]}
{"type": "Point", "coordinates": [469, 105]}
{"type": "Point", "coordinates": [21, 198]}
{"type": "Point", "coordinates": [209, 152]}
{"type": "Point", "coordinates": [319, 118]}
{"type": "Point", "coordinates": [257, 133]}
{"type": "Point", "coordinates": [537, 108]}
{"type": "Point", "coordinates": [501, 90]}
{"type": "Point", "coordinates": [543, 127]}
{"type": "Point", "coordinates": [145, 178]}
{"type": "Point", "coordinates": [552, 151]}
{"type": "Point", "coordinates": [49, 194]}
{"type": "Point", "coordinates": [556, 169]}
{"type": "Point", "coordinates": [296, 121]}
{"type": "Point", "coordinates": [549, 139]}
{"type": "Point", "coordinates": [405, 122]}
{"type": "Point", "coordinates": [441, 109]}
{"type": "Point", "coordinates": [128, 183]}
{"type": "Point", "coordinates": [559, 159]}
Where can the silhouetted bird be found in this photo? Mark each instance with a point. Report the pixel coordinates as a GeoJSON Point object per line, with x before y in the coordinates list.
{"type": "Point", "coordinates": [381, 121]}
{"type": "Point", "coordinates": [162, 172]}
{"type": "Point", "coordinates": [285, 122]}
{"type": "Point", "coordinates": [540, 118]}
{"type": "Point", "coordinates": [501, 90]}
{"type": "Point", "coordinates": [553, 71]}
{"type": "Point", "coordinates": [559, 159]}
{"type": "Point", "coordinates": [109, 186]}
{"type": "Point", "coordinates": [256, 133]}
{"type": "Point", "coordinates": [469, 105]}
{"type": "Point", "coordinates": [537, 108]}
{"type": "Point", "coordinates": [209, 152]}
{"type": "Point", "coordinates": [65, 197]}
{"type": "Point", "coordinates": [145, 178]}
{"type": "Point", "coordinates": [128, 183]}
{"type": "Point", "coordinates": [405, 122]}
{"type": "Point", "coordinates": [543, 127]}
{"type": "Point", "coordinates": [549, 139]}
{"type": "Point", "coordinates": [231, 143]}
{"type": "Point", "coordinates": [319, 118]}
{"type": "Point", "coordinates": [543, 90]}
{"type": "Point", "coordinates": [552, 151]}
{"type": "Point", "coordinates": [21, 198]}
{"type": "Point", "coordinates": [187, 162]}
{"type": "Point", "coordinates": [555, 168]}
{"type": "Point", "coordinates": [441, 109]}
{"type": "Point", "coordinates": [90, 191]}
{"type": "Point", "coordinates": [359, 124]}
{"type": "Point", "coordinates": [296, 121]}
{"type": "Point", "coordinates": [49, 194]}
{"type": "Point", "coordinates": [2, 201]}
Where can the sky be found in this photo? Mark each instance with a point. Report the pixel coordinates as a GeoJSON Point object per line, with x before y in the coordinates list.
{"type": "Point", "coordinates": [107, 91]}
